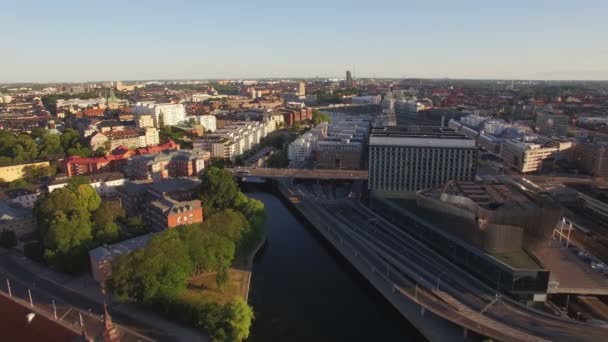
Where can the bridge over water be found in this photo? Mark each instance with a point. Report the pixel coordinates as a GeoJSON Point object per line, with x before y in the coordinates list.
{"type": "Point", "coordinates": [301, 173]}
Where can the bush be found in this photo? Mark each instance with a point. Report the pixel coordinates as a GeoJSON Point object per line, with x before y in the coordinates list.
{"type": "Point", "coordinates": [229, 322]}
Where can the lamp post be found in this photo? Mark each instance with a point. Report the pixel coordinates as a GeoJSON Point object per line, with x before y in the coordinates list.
{"type": "Point", "coordinates": [439, 278]}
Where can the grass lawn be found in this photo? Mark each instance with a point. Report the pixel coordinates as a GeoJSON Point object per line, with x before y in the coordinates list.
{"type": "Point", "coordinates": [204, 289]}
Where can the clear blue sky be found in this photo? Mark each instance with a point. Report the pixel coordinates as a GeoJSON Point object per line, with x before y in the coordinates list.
{"type": "Point", "coordinates": [63, 40]}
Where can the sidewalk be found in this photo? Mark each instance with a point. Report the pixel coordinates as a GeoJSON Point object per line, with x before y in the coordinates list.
{"type": "Point", "coordinates": [85, 287]}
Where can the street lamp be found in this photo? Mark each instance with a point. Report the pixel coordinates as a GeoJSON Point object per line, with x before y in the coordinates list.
{"type": "Point", "coordinates": [438, 278]}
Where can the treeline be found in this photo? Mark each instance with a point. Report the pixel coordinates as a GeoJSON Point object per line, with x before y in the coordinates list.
{"type": "Point", "coordinates": [40, 145]}
{"type": "Point", "coordinates": [158, 274]}
{"type": "Point", "coordinates": [71, 221]}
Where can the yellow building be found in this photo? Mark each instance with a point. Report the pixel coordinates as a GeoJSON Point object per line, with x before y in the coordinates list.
{"type": "Point", "coordinates": [13, 172]}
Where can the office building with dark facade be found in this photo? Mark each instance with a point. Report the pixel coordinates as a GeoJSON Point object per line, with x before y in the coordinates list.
{"type": "Point", "coordinates": [490, 229]}
{"type": "Point", "coordinates": [405, 159]}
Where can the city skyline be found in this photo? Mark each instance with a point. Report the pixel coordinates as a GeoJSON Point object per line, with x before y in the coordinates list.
{"type": "Point", "coordinates": [69, 41]}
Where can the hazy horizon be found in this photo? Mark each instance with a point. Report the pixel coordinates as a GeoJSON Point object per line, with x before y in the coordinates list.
{"type": "Point", "coordinates": [72, 41]}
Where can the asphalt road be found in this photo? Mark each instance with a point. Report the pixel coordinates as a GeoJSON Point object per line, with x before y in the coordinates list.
{"type": "Point", "coordinates": [44, 292]}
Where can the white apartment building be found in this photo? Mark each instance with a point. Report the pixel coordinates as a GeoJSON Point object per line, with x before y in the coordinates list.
{"type": "Point", "coordinates": [301, 149]}
{"type": "Point", "coordinates": [208, 121]}
{"type": "Point", "coordinates": [172, 113]}
{"type": "Point", "coordinates": [233, 140]}
{"type": "Point", "coordinates": [104, 183]}
{"type": "Point", "coordinates": [149, 138]}
{"type": "Point", "coordinates": [144, 121]}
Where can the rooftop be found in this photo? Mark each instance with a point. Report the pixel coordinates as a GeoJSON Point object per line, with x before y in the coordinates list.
{"type": "Point", "coordinates": [435, 132]}
{"type": "Point", "coordinates": [109, 252]}
{"type": "Point", "coordinates": [175, 185]}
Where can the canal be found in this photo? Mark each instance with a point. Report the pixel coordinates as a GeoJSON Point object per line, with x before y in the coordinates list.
{"type": "Point", "coordinates": [302, 290]}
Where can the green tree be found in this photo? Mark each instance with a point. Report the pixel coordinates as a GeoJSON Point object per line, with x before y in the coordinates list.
{"type": "Point", "coordinates": [229, 223]}
{"type": "Point", "coordinates": [79, 150]}
{"type": "Point", "coordinates": [35, 174]}
{"type": "Point", "coordinates": [64, 223]}
{"type": "Point", "coordinates": [208, 250]}
{"type": "Point", "coordinates": [158, 271]}
{"type": "Point", "coordinates": [100, 152]}
{"type": "Point", "coordinates": [218, 189]}
{"type": "Point", "coordinates": [37, 133]}
{"type": "Point", "coordinates": [70, 139]}
{"type": "Point", "coordinates": [161, 120]}
{"type": "Point", "coordinates": [104, 218]}
{"type": "Point", "coordinates": [319, 117]}
{"type": "Point", "coordinates": [24, 149]}
{"type": "Point", "coordinates": [51, 146]}
{"type": "Point", "coordinates": [222, 278]}
{"type": "Point", "coordinates": [237, 319]}
{"type": "Point", "coordinates": [68, 239]}
{"type": "Point", "coordinates": [278, 159]}
{"type": "Point", "coordinates": [135, 225]}
{"type": "Point", "coordinates": [8, 238]}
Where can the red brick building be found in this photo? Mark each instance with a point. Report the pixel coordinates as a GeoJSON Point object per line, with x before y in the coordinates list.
{"type": "Point", "coordinates": [293, 115]}
{"type": "Point", "coordinates": [166, 213]}
{"type": "Point", "coordinates": [115, 162]}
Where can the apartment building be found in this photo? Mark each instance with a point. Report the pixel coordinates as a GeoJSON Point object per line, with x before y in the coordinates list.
{"type": "Point", "coordinates": [182, 163]}
{"type": "Point", "coordinates": [233, 139]}
{"type": "Point", "coordinates": [405, 159]}
{"type": "Point", "coordinates": [172, 113]}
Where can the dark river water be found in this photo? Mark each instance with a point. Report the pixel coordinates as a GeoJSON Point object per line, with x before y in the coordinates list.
{"type": "Point", "coordinates": [302, 290]}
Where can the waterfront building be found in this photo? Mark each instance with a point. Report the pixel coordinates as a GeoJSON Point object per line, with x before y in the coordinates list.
{"type": "Point", "coordinates": [405, 159]}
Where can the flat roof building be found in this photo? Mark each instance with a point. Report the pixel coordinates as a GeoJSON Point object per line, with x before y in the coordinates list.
{"type": "Point", "coordinates": [405, 159]}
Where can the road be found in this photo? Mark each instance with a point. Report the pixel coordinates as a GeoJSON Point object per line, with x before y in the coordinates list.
{"type": "Point", "coordinates": [301, 173]}
{"type": "Point", "coordinates": [147, 326]}
{"type": "Point", "coordinates": [435, 283]}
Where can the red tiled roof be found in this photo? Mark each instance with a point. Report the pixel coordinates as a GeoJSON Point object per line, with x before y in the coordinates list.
{"type": "Point", "coordinates": [15, 326]}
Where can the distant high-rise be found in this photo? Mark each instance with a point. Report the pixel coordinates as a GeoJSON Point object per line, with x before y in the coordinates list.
{"type": "Point", "coordinates": [302, 88]}
{"type": "Point", "coordinates": [349, 79]}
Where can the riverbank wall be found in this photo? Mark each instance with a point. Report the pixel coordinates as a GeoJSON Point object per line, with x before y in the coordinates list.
{"type": "Point", "coordinates": [433, 327]}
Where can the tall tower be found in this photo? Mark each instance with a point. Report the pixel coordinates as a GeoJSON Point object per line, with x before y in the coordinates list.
{"type": "Point", "coordinates": [302, 88]}
{"type": "Point", "coordinates": [349, 79]}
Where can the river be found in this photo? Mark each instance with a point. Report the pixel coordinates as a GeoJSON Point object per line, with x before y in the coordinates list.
{"type": "Point", "coordinates": [303, 291]}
